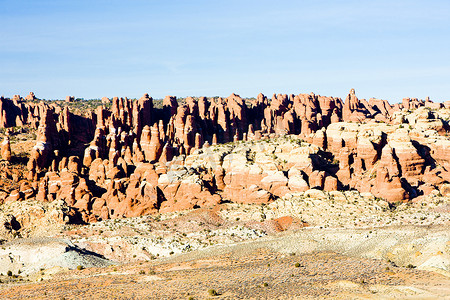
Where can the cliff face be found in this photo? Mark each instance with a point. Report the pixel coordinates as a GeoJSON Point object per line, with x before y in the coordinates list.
{"type": "Point", "coordinates": [135, 159]}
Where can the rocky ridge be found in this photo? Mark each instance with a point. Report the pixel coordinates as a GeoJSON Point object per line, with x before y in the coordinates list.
{"type": "Point", "coordinates": [127, 158]}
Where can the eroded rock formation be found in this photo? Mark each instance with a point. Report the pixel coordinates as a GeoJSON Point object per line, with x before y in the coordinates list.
{"type": "Point", "coordinates": [133, 158]}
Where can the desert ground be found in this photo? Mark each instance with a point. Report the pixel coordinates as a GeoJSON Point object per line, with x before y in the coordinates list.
{"type": "Point", "coordinates": [207, 254]}
{"type": "Point", "coordinates": [293, 197]}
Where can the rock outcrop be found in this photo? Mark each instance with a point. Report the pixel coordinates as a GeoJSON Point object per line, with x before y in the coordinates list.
{"type": "Point", "coordinates": [6, 149]}
{"type": "Point", "coordinates": [134, 158]}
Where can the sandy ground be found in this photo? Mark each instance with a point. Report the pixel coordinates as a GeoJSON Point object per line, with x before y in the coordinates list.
{"type": "Point", "coordinates": [289, 265]}
{"type": "Point", "coordinates": [353, 247]}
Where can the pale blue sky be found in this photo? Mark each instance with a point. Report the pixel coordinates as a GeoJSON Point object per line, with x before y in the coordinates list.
{"type": "Point", "coordinates": [91, 49]}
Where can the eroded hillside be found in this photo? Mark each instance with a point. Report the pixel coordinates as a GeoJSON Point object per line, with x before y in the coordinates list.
{"type": "Point", "coordinates": [124, 158]}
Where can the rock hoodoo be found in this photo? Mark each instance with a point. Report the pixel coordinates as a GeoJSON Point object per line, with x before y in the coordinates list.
{"type": "Point", "coordinates": [128, 157]}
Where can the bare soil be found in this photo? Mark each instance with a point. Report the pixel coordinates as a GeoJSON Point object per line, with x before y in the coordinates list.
{"type": "Point", "coordinates": [249, 270]}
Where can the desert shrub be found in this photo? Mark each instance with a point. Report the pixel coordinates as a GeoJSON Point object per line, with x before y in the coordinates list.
{"type": "Point", "coordinates": [297, 265]}
{"type": "Point", "coordinates": [80, 267]}
{"type": "Point", "coordinates": [9, 273]}
{"type": "Point", "coordinates": [212, 292]}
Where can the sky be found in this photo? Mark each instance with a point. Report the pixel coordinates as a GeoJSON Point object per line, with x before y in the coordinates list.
{"type": "Point", "coordinates": [91, 49]}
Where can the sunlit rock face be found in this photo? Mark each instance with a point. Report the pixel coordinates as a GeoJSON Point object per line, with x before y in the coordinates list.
{"type": "Point", "coordinates": [129, 157]}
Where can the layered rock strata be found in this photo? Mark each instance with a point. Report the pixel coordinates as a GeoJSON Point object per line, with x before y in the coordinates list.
{"type": "Point", "coordinates": [133, 158]}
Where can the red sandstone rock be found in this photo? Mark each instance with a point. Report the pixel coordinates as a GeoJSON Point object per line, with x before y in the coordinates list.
{"type": "Point", "coordinates": [170, 106]}
{"type": "Point", "coordinates": [353, 109]}
{"type": "Point", "coordinates": [331, 184]}
{"type": "Point", "coordinates": [317, 179]}
{"type": "Point", "coordinates": [6, 149]}
{"type": "Point", "coordinates": [155, 146]}
{"type": "Point", "coordinates": [30, 97]}
{"type": "Point", "coordinates": [69, 99]}
{"type": "Point", "coordinates": [132, 132]}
